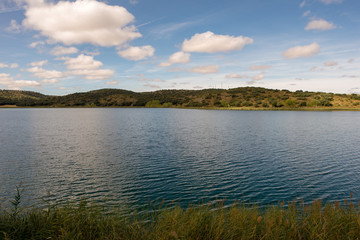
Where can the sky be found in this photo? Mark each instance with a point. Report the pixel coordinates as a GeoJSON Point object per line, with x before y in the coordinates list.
{"type": "Point", "coordinates": [61, 47]}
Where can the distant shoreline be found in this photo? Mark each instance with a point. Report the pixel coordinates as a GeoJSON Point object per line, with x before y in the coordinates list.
{"type": "Point", "coordinates": [320, 109]}
{"type": "Point", "coordinates": [243, 98]}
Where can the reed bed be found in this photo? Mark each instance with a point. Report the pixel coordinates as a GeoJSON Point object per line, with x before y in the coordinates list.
{"type": "Point", "coordinates": [295, 220]}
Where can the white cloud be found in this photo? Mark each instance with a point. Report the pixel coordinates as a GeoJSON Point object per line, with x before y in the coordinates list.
{"type": "Point", "coordinates": [235, 75]}
{"type": "Point", "coordinates": [82, 62]}
{"type": "Point", "coordinates": [260, 67]}
{"type": "Point", "coordinates": [46, 74]}
{"type": "Point", "coordinates": [12, 65]}
{"type": "Point", "coordinates": [137, 53]}
{"type": "Point", "coordinates": [112, 82]}
{"type": "Point", "coordinates": [307, 13]}
{"type": "Point", "coordinates": [209, 42]}
{"type": "Point", "coordinates": [14, 27]}
{"type": "Point", "coordinates": [178, 57]}
{"type": "Point", "coordinates": [174, 70]}
{"type": "Point", "coordinates": [302, 51]}
{"type": "Point", "coordinates": [258, 77]}
{"type": "Point", "coordinates": [80, 22]}
{"type": "Point", "coordinates": [60, 50]}
{"type": "Point", "coordinates": [38, 64]}
{"type": "Point", "coordinates": [151, 85]}
{"type": "Point", "coordinates": [331, 1]}
{"type": "Point", "coordinates": [255, 79]}
{"type": "Point", "coordinates": [157, 80]}
{"type": "Point", "coordinates": [330, 64]}
{"type": "Point", "coordinates": [24, 83]}
{"type": "Point", "coordinates": [165, 64]}
{"type": "Point", "coordinates": [11, 83]}
{"type": "Point", "coordinates": [320, 24]}
{"type": "Point", "coordinates": [87, 67]}
{"type": "Point", "coordinates": [313, 68]}
{"type": "Point", "coordinates": [5, 78]}
{"type": "Point", "coordinates": [50, 81]}
{"type": "Point", "coordinates": [206, 69]}
{"type": "Point", "coordinates": [302, 4]}
{"type": "Point", "coordinates": [35, 44]}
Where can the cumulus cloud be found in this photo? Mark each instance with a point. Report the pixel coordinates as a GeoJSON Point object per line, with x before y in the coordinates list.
{"type": "Point", "coordinates": [258, 77]}
{"type": "Point", "coordinates": [35, 44]}
{"type": "Point", "coordinates": [14, 27]}
{"type": "Point", "coordinates": [206, 69]}
{"type": "Point", "coordinates": [255, 79]}
{"type": "Point", "coordinates": [330, 64]}
{"type": "Point", "coordinates": [260, 67]}
{"type": "Point", "coordinates": [11, 83]}
{"type": "Point", "coordinates": [157, 80]}
{"type": "Point", "coordinates": [178, 57]}
{"type": "Point", "coordinates": [12, 65]}
{"type": "Point", "coordinates": [81, 22]}
{"type": "Point", "coordinates": [331, 1]}
{"type": "Point", "coordinates": [112, 82]}
{"type": "Point", "coordinates": [137, 53]}
{"type": "Point", "coordinates": [46, 74]}
{"type": "Point", "coordinates": [320, 24]}
{"type": "Point", "coordinates": [307, 13]}
{"type": "Point", "coordinates": [60, 50]}
{"type": "Point", "coordinates": [208, 42]}
{"type": "Point", "coordinates": [174, 70]}
{"type": "Point", "coordinates": [235, 75]}
{"type": "Point", "coordinates": [313, 68]}
{"type": "Point", "coordinates": [302, 51]}
{"type": "Point", "coordinates": [87, 67]}
{"type": "Point", "coordinates": [151, 85]}
{"type": "Point", "coordinates": [50, 81]}
{"type": "Point", "coordinates": [38, 64]}
{"type": "Point", "coordinates": [164, 64]}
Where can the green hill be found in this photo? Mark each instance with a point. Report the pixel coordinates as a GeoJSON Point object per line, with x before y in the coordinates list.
{"type": "Point", "coordinates": [242, 98]}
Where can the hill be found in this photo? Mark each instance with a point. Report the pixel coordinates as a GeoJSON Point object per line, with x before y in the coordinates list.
{"type": "Point", "coordinates": [242, 98]}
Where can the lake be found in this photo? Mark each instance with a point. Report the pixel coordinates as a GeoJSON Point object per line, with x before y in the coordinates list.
{"type": "Point", "coordinates": [127, 157]}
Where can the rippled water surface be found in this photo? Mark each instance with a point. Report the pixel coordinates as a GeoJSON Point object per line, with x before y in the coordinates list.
{"type": "Point", "coordinates": [128, 156]}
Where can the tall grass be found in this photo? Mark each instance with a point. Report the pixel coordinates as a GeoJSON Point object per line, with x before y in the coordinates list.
{"type": "Point", "coordinates": [239, 221]}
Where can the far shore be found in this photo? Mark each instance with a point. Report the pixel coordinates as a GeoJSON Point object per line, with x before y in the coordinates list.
{"type": "Point", "coordinates": [322, 109]}
{"type": "Point", "coordinates": [8, 106]}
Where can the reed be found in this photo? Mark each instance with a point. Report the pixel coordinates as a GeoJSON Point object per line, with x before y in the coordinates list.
{"type": "Point", "coordinates": [295, 220]}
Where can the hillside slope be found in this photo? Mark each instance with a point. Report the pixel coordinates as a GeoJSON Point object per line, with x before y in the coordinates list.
{"type": "Point", "coordinates": [245, 97]}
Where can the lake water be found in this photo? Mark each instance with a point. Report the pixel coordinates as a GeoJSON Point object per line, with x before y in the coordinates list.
{"type": "Point", "coordinates": [129, 156]}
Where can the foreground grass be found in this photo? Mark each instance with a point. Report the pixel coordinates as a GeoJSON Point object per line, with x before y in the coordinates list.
{"type": "Point", "coordinates": [240, 221]}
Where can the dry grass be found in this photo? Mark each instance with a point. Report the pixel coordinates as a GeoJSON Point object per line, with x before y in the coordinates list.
{"type": "Point", "coordinates": [240, 221]}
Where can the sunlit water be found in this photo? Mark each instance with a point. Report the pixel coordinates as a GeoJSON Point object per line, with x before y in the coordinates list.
{"type": "Point", "coordinates": [126, 157]}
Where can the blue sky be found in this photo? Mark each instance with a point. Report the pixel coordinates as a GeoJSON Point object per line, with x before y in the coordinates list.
{"type": "Point", "coordinates": [61, 47]}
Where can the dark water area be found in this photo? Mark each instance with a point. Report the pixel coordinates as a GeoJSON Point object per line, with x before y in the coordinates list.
{"type": "Point", "coordinates": [126, 157]}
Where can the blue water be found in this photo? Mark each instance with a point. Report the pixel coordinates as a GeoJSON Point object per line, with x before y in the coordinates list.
{"type": "Point", "coordinates": [127, 157]}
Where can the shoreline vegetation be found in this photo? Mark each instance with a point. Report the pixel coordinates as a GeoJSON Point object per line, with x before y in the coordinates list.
{"type": "Point", "coordinates": [243, 98]}
{"type": "Point", "coordinates": [295, 220]}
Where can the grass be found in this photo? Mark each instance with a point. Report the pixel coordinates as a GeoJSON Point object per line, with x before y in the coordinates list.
{"type": "Point", "coordinates": [240, 221]}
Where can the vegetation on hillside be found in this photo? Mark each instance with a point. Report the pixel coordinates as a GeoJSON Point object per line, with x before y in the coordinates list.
{"type": "Point", "coordinates": [244, 97]}
{"type": "Point", "coordinates": [239, 221]}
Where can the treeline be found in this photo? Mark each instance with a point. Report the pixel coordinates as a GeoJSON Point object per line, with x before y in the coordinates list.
{"type": "Point", "coordinates": [244, 97]}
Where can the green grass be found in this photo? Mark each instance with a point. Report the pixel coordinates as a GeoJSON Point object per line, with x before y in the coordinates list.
{"type": "Point", "coordinates": [239, 221]}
